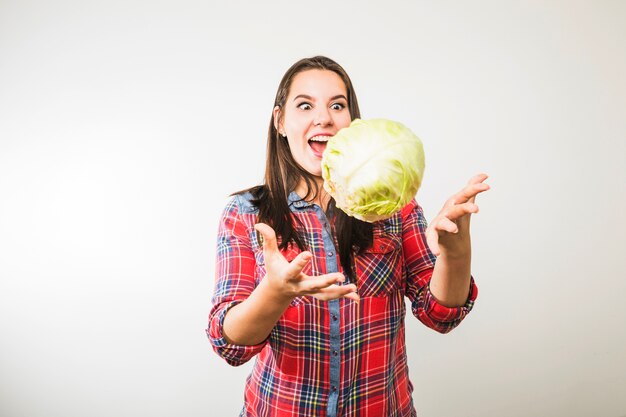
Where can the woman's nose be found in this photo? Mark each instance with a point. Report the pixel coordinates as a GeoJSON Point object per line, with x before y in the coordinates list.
{"type": "Point", "coordinates": [322, 118]}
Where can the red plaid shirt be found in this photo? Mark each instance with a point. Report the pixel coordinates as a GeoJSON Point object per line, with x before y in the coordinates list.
{"type": "Point", "coordinates": [335, 358]}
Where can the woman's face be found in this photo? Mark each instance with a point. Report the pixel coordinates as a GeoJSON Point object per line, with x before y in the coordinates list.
{"type": "Point", "coordinates": [315, 109]}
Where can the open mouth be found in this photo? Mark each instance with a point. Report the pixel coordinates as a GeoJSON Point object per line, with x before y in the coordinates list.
{"type": "Point", "coordinates": [318, 144]}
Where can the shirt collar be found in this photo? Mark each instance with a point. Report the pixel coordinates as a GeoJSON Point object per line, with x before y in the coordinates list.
{"type": "Point", "coordinates": [297, 201]}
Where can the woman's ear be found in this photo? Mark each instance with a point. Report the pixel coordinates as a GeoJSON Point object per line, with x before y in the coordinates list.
{"type": "Point", "coordinates": [278, 125]}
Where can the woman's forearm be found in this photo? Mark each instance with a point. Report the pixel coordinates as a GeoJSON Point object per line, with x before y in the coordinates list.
{"type": "Point", "coordinates": [251, 321]}
{"type": "Point", "coordinates": [450, 282]}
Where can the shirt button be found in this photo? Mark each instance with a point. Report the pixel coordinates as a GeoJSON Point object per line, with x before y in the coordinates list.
{"type": "Point", "coordinates": [335, 317]}
{"type": "Point", "coordinates": [330, 254]}
{"type": "Point", "coordinates": [335, 353]}
{"type": "Point", "coordinates": [334, 388]}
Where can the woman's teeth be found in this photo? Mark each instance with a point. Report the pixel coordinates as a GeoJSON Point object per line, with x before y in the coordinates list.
{"type": "Point", "coordinates": [320, 138]}
{"type": "Point", "coordinates": [318, 144]}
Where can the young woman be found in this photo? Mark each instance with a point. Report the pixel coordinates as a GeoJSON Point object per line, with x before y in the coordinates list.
{"type": "Point", "coordinates": [318, 296]}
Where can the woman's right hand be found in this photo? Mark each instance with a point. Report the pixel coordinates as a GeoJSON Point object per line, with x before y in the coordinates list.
{"type": "Point", "coordinates": [287, 279]}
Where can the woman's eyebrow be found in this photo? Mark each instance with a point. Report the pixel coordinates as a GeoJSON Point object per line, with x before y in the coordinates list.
{"type": "Point", "coordinates": [302, 96]}
{"type": "Point", "coordinates": [307, 97]}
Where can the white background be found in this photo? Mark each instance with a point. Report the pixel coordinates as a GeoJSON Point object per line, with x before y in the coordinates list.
{"type": "Point", "coordinates": [124, 125]}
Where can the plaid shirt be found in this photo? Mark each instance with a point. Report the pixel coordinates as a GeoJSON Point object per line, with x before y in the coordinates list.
{"type": "Point", "coordinates": [331, 358]}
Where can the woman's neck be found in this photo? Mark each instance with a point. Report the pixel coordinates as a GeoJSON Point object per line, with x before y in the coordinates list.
{"type": "Point", "coordinates": [321, 199]}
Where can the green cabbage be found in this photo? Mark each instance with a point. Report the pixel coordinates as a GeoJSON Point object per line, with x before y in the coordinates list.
{"type": "Point", "coordinates": [373, 168]}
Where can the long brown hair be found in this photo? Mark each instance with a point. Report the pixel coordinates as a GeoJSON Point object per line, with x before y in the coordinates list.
{"type": "Point", "coordinates": [283, 173]}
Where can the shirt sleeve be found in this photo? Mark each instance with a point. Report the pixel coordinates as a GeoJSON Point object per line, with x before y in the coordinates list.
{"type": "Point", "coordinates": [418, 268]}
{"type": "Point", "coordinates": [234, 282]}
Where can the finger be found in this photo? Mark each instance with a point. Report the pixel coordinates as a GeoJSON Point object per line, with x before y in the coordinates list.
{"type": "Point", "coordinates": [432, 239]}
{"type": "Point", "coordinates": [269, 238]}
{"type": "Point", "coordinates": [446, 225]}
{"type": "Point", "coordinates": [469, 192]}
{"type": "Point", "coordinates": [337, 291]}
{"type": "Point", "coordinates": [311, 285]}
{"type": "Point", "coordinates": [353, 296]}
{"type": "Point", "coordinates": [474, 186]}
{"type": "Point", "coordinates": [478, 178]}
{"type": "Point", "coordinates": [299, 262]}
{"type": "Point", "coordinates": [459, 210]}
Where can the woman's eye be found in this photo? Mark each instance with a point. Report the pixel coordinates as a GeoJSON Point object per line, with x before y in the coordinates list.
{"type": "Point", "coordinates": [304, 106]}
{"type": "Point", "coordinates": [337, 106]}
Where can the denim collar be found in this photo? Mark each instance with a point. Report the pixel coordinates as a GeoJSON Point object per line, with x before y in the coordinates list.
{"type": "Point", "coordinates": [297, 201]}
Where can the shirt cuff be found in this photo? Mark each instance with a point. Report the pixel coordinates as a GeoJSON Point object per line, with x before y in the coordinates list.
{"type": "Point", "coordinates": [443, 314]}
{"type": "Point", "coordinates": [233, 354]}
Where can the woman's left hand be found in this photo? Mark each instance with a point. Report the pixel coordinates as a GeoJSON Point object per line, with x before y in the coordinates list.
{"type": "Point", "coordinates": [448, 232]}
